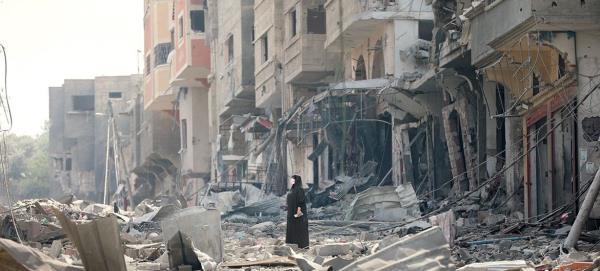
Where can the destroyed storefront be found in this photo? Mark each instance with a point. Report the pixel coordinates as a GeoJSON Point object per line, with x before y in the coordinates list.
{"type": "Point", "coordinates": [368, 133]}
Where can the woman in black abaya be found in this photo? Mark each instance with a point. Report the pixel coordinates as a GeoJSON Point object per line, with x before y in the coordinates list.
{"type": "Point", "coordinates": [297, 220]}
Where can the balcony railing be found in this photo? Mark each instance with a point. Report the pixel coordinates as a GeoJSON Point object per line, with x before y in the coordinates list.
{"type": "Point", "coordinates": [161, 53]}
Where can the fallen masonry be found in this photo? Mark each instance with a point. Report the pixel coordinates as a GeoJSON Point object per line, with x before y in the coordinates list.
{"type": "Point", "coordinates": [373, 228]}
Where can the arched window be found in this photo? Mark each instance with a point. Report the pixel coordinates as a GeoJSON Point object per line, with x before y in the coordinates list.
{"type": "Point", "coordinates": [378, 69]}
{"type": "Point", "coordinates": [360, 71]}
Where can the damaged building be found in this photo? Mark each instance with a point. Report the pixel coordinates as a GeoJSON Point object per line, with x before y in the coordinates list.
{"type": "Point", "coordinates": [78, 120]}
{"type": "Point", "coordinates": [429, 135]}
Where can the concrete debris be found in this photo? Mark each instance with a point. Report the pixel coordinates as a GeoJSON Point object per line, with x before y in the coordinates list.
{"type": "Point", "coordinates": [334, 249]}
{"type": "Point", "coordinates": [202, 225]}
{"type": "Point", "coordinates": [275, 261]}
{"type": "Point", "coordinates": [181, 252]}
{"type": "Point", "coordinates": [447, 223]}
{"type": "Point", "coordinates": [159, 235]}
{"type": "Point", "coordinates": [495, 266]}
{"type": "Point", "coordinates": [427, 250]}
{"type": "Point", "coordinates": [385, 204]}
{"type": "Point", "coordinates": [307, 265]}
{"type": "Point", "coordinates": [14, 256]}
{"type": "Point", "coordinates": [98, 242]}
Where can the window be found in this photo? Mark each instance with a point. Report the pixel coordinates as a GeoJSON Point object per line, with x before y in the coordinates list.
{"type": "Point", "coordinates": [68, 164]}
{"type": "Point", "coordinates": [315, 20]}
{"type": "Point", "coordinates": [426, 30]}
{"type": "Point", "coordinates": [183, 134]}
{"type": "Point", "coordinates": [562, 66]}
{"type": "Point", "coordinates": [197, 18]}
{"type": "Point", "coordinates": [230, 49]}
{"type": "Point", "coordinates": [161, 53]}
{"type": "Point", "coordinates": [264, 42]}
{"type": "Point", "coordinates": [83, 103]}
{"type": "Point", "coordinates": [181, 27]}
{"type": "Point", "coordinates": [115, 95]}
{"type": "Point", "coordinates": [293, 23]}
{"type": "Point", "coordinates": [360, 71]}
{"type": "Point", "coordinates": [535, 84]}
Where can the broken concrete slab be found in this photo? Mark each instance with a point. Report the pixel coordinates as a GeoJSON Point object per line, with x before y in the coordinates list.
{"type": "Point", "coordinates": [495, 266]}
{"type": "Point", "coordinates": [307, 265]}
{"type": "Point", "coordinates": [284, 251]}
{"type": "Point", "coordinates": [14, 256]}
{"type": "Point", "coordinates": [269, 206]}
{"type": "Point", "coordinates": [202, 225]}
{"type": "Point", "coordinates": [181, 252]}
{"type": "Point", "coordinates": [275, 261]}
{"type": "Point", "coordinates": [427, 250]}
{"type": "Point", "coordinates": [333, 249]}
{"type": "Point", "coordinates": [263, 227]}
{"type": "Point", "coordinates": [385, 203]}
{"type": "Point", "coordinates": [447, 223]}
{"type": "Point", "coordinates": [97, 242]}
{"type": "Point", "coordinates": [338, 263]}
{"type": "Point", "coordinates": [157, 215]}
{"type": "Point", "coordinates": [55, 249]}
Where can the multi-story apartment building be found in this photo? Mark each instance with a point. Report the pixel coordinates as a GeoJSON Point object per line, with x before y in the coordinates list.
{"type": "Point", "coordinates": [449, 95]}
{"type": "Point", "coordinates": [232, 88]}
{"type": "Point", "coordinates": [178, 62]}
{"type": "Point", "coordinates": [79, 113]}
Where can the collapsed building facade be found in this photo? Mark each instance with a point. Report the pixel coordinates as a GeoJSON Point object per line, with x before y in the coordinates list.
{"type": "Point", "coordinates": [397, 92]}
{"type": "Point", "coordinates": [419, 92]}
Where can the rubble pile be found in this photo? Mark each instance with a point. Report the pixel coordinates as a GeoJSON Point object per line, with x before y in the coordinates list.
{"type": "Point", "coordinates": [368, 228]}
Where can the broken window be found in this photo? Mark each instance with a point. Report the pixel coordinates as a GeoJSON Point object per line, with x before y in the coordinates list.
{"type": "Point", "coordinates": [229, 45]}
{"type": "Point", "coordinates": [197, 20]}
{"type": "Point", "coordinates": [315, 20]}
{"type": "Point", "coordinates": [561, 66]}
{"type": "Point", "coordinates": [115, 95]}
{"type": "Point", "coordinates": [184, 134]}
{"type": "Point", "coordinates": [535, 84]}
{"type": "Point", "coordinates": [68, 164]}
{"type": "Point", "coordinates": [360, 71]}
{"type": "Point", "coordinates": [293, 23]}
{"type": "Point", "coordinates": [83, 102]}
{"type": "Point", "coordinates": [426, 30]}
{"type": "Point", "coordinates": [161, 53]}
{"type": "Point", "coordinates": [264, 41]}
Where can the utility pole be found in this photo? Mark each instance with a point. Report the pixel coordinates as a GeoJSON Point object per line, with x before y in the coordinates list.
{"type": "Point", "coordinates": [584, 212]}
{"type": "Point", "coordinates": [108, 126]}
{"type": "Point", "coordinates": [112, 135]}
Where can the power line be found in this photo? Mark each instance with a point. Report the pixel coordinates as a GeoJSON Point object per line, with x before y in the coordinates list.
{"type": "Point", "coordinates": [4, 154]}
{"type": "Point", "coordinates": [452, 203]}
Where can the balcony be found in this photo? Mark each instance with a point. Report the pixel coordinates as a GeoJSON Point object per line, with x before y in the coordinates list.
{"type": "Point", "coordinates": [306, 60]}
{"type": "Point", "coordinates": [359, 18]}
{"type": "Point", "coordinates": [158, 95]}
{"type": "Point", "coordinates": [190, 64]}
{"type": "Point", "coordinates": [268, 91]}
{"type": "Point", "coordinates": [191, 61]}
{"type": "Point", "coordinates": [499, 22]}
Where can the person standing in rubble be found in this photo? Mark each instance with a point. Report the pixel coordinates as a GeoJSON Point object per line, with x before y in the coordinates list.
{"type": "Point", "coordinates": [297, 220]}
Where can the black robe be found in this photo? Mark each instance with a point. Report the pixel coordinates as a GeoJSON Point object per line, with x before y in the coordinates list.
{"type": "Point", "coordinates": [297, 228]}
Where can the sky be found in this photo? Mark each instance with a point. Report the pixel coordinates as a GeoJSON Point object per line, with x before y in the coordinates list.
{"type": "Point", "coordinates": [48, 41]}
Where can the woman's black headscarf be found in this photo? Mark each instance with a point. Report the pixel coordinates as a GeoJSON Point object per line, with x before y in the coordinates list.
{"type": "Point", "coordinates": [297, 183]}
